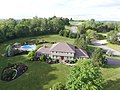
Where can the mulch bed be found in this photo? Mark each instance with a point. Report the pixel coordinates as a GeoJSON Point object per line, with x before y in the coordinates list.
{"type": "Point", "coordinates": [13, 71]}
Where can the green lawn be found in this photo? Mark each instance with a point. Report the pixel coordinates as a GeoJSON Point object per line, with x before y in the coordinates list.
{"type": "Point", "coordinates": [41, 76]}
{"type": "Point", "coordinates": [111, 74]}
{"type": "Point", "coordinates": [114, 46]}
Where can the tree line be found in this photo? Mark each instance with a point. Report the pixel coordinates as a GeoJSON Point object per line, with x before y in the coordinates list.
{"type": "Point", "coordinates": [98, 26]}
{"type": "Point", "coordinates": [11, 28]}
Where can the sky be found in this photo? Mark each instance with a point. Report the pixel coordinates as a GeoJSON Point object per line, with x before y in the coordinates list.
{"type": "Point", "coordinates": [76, 9]}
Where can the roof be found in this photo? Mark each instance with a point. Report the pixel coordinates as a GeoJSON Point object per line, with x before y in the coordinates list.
{"type": "Point", "coordinates": [81, 53]}
{"type": "Point", "coordinates": [44, 50]}
{"type": "Point", "coordinates": [62, 47]}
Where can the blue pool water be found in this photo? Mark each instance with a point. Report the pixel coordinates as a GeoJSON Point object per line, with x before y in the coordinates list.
{"type": "Point", "coordinates": [29, 47]}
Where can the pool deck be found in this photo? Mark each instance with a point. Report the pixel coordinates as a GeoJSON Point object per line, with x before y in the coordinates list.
{"type": "Point", "coordinates": [22, 48]}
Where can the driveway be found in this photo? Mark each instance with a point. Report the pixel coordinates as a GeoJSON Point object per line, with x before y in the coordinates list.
{"type": "Point", "coordinates": [73, 28]}
{"type": "Point", "coordinates": [97, 43]}
{"type": "Point", "coordinates": [113, 61]}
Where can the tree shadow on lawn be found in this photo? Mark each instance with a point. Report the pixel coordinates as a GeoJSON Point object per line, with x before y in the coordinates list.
{"type": "Point", "coordinates": [39, 75]}
{"type": "Point", "coordinates": [112, 85]}
{"type": "Point", "coordinates": [111, 66]}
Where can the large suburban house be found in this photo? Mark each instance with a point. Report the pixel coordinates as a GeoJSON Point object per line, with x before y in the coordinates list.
{"type": "Point", "coordinates": [62, 51]}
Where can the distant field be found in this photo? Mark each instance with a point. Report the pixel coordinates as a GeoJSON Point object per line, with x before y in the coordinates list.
{"type": "Point", "coordinates": [41, 76]}
{"type": "Point", "coordinates": [75, 22]}
{"type": "Point", "coordinates": [68, 27]}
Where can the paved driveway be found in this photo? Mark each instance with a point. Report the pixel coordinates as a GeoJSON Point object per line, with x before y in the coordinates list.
{"type": "Point", "coordinates": [113, 61]}
{"type": "Point", "coordinates": [115, 52]}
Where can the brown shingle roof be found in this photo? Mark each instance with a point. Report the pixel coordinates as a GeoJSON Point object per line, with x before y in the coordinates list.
{"type": "Point", "coordinates": [44, 50]}
{"type": "Point", "coordinates": [81, 53]}
{"type": "Point", "coordinates": [62, 47]}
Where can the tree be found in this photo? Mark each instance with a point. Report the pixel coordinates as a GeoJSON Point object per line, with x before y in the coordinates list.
{"type": "Point", "coordinates": [32, 55]}
{"type": "Point", "coordinates": [98, 58]}
{"type": "Point", "coordinates": [61, 33]}
{"type": "Point", "coordinates": [66, 33]}
{"type": "Point", "coordinates": [82, 29]}
{"type": "Point", "coordinates": [81, 42]}
{"type": "Point", "coordinates": [85, 77]}
{"type": "Point", "coordinates": [58, 86]}
{"type": "Point", "coordinates": [43, 58]}
{"type": "Point", "coordinates": [71, 19]}
{"type": "Point", "coordinates": [90, 34]}
{"type": "Point", "coordinates": [112, 37]}
{"type": "Point", "coordinates": [9, 51]}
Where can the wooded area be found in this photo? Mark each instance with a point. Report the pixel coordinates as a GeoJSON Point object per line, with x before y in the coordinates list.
{"type": "Point", "coordinates": [11, 28]}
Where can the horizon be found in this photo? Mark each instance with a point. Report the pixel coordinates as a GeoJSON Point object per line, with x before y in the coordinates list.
{"type": "Point", "coordinates": [100, 10]}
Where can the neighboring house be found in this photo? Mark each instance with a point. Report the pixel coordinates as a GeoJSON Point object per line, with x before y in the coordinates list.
{"type": "Point", "coordinates": [118, 36]}
{"type": "Point", "coordinates": [62, 51]}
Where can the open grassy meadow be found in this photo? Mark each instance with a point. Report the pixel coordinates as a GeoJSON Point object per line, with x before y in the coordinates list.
{"type": "Point", "coordinates": [41, 76]}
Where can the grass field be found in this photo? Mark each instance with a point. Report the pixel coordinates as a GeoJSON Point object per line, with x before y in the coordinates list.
{"type": "Point", "coordinates": [41, 76]}
{"type": "Point", "coordinates": [75, 22]}
{"type": "Point", "coordinates": [114, 46]}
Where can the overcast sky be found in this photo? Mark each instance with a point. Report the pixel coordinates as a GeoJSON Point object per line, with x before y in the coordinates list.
{"type": "Point", "coordinates": [77, 9]}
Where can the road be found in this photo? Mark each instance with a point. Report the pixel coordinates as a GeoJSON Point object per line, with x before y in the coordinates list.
{"type": "Point", "coordinates": [115, 52]}
{"type": "Point", "coordinates": [112, 61]}
{"type": "Point", "coordinates": [73, 28]}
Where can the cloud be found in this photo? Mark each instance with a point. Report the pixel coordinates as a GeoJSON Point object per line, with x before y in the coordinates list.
{"type": "Point", "coordinates": [87, 9]}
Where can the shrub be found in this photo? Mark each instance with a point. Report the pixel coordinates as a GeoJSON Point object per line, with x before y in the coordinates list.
{"type": "Point", "coordinates": [43, 58]}
{"type": "Point", "coordinates": [32, 55]}
{"type": "Point", "coordinates": [71, 61]}
{"type": "Point", "coordinates": [67, 61]}
{"type": "Point", "coordinates": [75, 60]}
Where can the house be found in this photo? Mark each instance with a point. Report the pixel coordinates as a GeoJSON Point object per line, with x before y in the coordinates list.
{"type": "Point", "coordinates": [62, 51]}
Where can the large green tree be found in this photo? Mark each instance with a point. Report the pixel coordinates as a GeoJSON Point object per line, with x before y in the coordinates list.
{"type": "Point", "coordinates": [32, 55]}
{"type": "Point", "coordinates": [85, 77]}
{"type": "Point", "coordinates": [112, 37]}
{"type": "Point", "coordinates": [98, 57]}
{"type": "Point", "coordinates": [81, 42]}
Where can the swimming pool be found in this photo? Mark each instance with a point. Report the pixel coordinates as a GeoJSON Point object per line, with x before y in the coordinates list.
{"type": "Point", "coordinates": [28, 47]}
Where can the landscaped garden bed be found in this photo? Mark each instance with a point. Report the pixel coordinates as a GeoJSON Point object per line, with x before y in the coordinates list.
{"type": "Point", "coordinates": [71, 61]}
{"type": "Point", "coordinates": [12, 71]}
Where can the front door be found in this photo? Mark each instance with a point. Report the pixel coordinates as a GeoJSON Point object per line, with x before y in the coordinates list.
{"type": "Point", "coordinates": [62, 57]}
